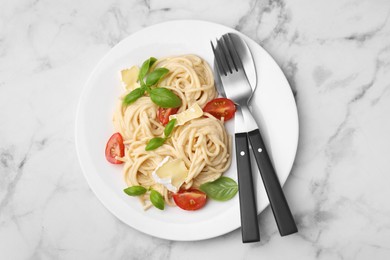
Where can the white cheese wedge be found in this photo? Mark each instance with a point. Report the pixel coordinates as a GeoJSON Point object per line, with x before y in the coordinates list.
{"type": "Point", "coordinates": [170, 173]}
{"type": "Point", "coordinates": [130, 77]}
{"type": "Point", "coordinates": [191, 113]}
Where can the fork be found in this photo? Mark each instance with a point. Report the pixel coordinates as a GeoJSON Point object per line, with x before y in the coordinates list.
{"type": "Point", "coordinates": [232, 90]}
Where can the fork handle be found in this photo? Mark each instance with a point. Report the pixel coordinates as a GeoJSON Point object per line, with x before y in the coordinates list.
{"type": "Point", "coordinates": [279, 206]}
{"type": "Point", "coordinates": [248, 209]}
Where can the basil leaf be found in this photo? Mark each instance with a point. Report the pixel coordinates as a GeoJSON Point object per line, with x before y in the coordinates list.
{"type": "Point", "coordinates": [135, 190]}
{"type": "Point", "coordinates": [133, 96]}
{"type": "Point", "coordinates": [169, 127]}
{"type": "Point", "coordinates": [155, 76]}
{"type": "Point", "coordinates": [157, 199]}
{"type": "Point", "coordinates": [154, 143]}
{"type": "Point", "coordinates": [164, 98]}
{"type": "Point", "coordinates": [145, 68]}
{"type": "Point", "coordinates": [221, 189]}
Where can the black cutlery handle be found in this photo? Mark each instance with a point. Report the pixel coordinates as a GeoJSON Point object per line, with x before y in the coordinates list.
{"type": "Point", "coordinates": [248, 209]}
{"type": "Point", "coordinates": [279, 206]}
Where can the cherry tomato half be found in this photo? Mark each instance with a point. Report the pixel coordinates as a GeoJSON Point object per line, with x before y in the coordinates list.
{"type": "Point", "coordinates": [164, 113]}
{"type": "Point", "coordinates": [221, 107]}
{"type": "Point", "coordinates": [114, 148]}
{"type": "Point", "coordinates": [190, 199]}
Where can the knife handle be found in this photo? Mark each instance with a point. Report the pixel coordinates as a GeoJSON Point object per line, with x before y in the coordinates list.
{"type": "Point", "coordinates": [279, 206]}
{"type": "Point", "coordinates": [248, 209]}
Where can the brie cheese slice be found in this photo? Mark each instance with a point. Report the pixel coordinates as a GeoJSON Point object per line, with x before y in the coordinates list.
{"type": "Point", "coordinates": [130, 77]}
{"type": "Point", "coordinates": [170, 173]}
{"type": "Point", "coordinates": [191, 113]}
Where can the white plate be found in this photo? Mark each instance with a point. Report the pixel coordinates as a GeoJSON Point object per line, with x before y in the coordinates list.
{"type": "Point", "coordinates": [273, 106]}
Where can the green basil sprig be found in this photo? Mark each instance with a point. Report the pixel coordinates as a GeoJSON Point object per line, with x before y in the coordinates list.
{"type": "Point", "coordinates": [221, 189]}
{"type": "Point", "coordinates": [145, 69]}
{"type": "Point", "coordinates": [133, 96]}
{"type": "Point", "coordinates": [135, 190]}
{"type": "Point", "coordinates": [169, 127]}
{"type": "Point", "coordinates": [162, 97]}
{"type": "Point", "coordinates": [157, 199]}
{"type": "Point", "coordinates": [156, 142]}
{"type": "Point", "coordinates": [155, 76]}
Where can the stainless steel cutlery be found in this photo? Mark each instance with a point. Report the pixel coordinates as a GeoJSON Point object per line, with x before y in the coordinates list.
{"type": "Point", "coordinates": [232, 55]}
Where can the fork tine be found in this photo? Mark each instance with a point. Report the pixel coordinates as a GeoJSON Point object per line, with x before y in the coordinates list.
{"type": "Point", "coordinates": [222, 56]}
{"type": "Point", "coordinates": [233, 51]}
{"type": "Point", "coordinates": [226, 54]}
{"type": "Point", "coordinates": [217, 57]}
{"type": "Point", "coordinates": [228, 44]}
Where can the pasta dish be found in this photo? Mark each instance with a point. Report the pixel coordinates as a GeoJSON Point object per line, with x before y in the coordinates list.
{"type": "Point", "coordinates": [167, 139]}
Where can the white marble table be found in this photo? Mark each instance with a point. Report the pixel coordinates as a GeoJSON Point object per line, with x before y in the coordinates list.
{"type": "Point", "coordinates": [336, 55]}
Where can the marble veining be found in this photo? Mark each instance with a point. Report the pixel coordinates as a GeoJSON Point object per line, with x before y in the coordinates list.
{"type": "Point", "coordinates": [336, 56]}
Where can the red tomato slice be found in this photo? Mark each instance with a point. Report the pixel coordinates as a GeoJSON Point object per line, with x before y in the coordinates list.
{"type": "Point", "coordinates": [190, 199]}
{"type": "Point", "coordinates": [164, 113]}
{"type": "Point", "coordinates": [115, 147]}
{"type": "Point", "coordinates": [221, 107]}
